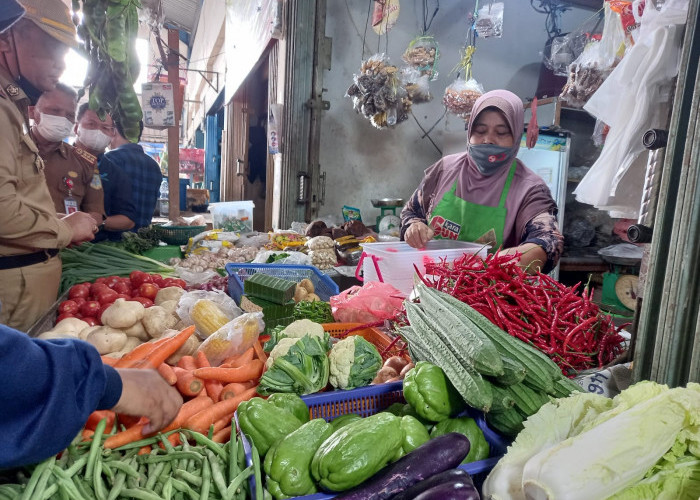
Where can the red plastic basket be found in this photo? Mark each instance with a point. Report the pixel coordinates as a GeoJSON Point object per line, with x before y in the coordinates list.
{"type": "Point", "coordinates": [386, 346]}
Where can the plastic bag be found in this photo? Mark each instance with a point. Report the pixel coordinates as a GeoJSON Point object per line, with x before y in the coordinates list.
{"type": "Point", "coordinates": [461, 95]}
{"type": "Point", "coordinates": [422, 54]}
{"type": "Point", "coordinates": [324, 258]}
{"type": "Point", "coordinates": [489, 20]}
{"type": "Point", "coordinates": [588, 72]}
{"type": "Point", "coordinates": [188, 299]}
{"type": "Point", "coordinates": [294, 258]}
{"type": "Point", "coordinates": [195, 278]}
{"type": "Point", "coordinates": [320, 243]}
{"type": "Point", "coordinates": [375, 301]}
{"type": "Point", "coordinates": [416, 85]}
{"type": "Point", "coordinates": [234, 338]}
{"type": "Point", "coordinates": [254, 239]}
{"type": "Point", "coordinates": [565, 49]}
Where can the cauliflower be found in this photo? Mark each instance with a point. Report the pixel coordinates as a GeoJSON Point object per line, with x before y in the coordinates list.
{"type": "Point", "coordinates": [297, 330]}
{"type": "Point", "coordinates": [281, 349]}
{"type": "Point", "coordinates": [353, 363]}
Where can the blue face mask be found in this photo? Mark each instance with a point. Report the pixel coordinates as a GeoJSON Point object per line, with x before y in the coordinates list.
{"type": "Point", "coordinates": [489, 158]}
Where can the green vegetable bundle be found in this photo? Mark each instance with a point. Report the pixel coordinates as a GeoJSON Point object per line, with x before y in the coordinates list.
{"type": "Point", "coordinates": [300, 366]}
{"type": "Point", "coordinates": [318, 311]}
{"type": "Point", "coordinates": [199, 468]}
{"type": "Point", "coordinates": [354, 362]}
{"type": "Point", "coordinates": [108, 31]}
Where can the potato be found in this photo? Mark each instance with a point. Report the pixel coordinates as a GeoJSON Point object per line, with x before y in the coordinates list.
{"type": "Point", "coordinates": [123, 314]}
{"type": "Point", "coordinates": [156, 320]}
{"type": "Point", "coordinates": [385, 374]}
{"type": "Point", "coordinates": [406, 369]}
{"type": "Point", "coordinates": [137, 330]}
{"type": "Point", "coordinates": [300, 293]}
{"type": "Point", "coordinates": [70, 325]}
{"type": "Point", "coordinates": [312, 297]}
{"type": "Point", "coordinates": [86, 331]}
{"type": "Point", "coordinates": [170, 306]}
{"type": "Point", "coordinates": [106, 339]}
{"type": "Point", "coordinates": [307, 284]}
{"type": "Point", "coordinates": [51, 334]}
{"type": "Point", "coordinates": [131, 343]}
{"type": "Point", "coordinates": [396, 362]}
{"type": "Point", "coordinates": [167, 294]}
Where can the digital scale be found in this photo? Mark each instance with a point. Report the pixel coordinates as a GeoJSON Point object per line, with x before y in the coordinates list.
{"type": "Point", "coordinates": [388, 219]}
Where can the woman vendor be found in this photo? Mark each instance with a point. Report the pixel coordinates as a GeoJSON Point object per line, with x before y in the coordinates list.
{"type": "Point", "coordinates": [486, 194]}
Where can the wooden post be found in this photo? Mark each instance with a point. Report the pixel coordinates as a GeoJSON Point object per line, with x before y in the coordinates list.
{"type": "Point", "coordinates": [174, 131]}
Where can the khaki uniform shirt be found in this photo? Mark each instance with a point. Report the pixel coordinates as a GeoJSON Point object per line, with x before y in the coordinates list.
{"type": "Point", "coordinates": [64, 161]}
{"type": "Point", "coordinates": [28, 221]}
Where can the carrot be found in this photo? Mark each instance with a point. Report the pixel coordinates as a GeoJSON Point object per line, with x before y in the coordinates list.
{"type": "Point", "coordinates": [127, 420]}
{"type": "Point", "coordinates": [165, 350]}
{"type": "Point", "coordinates": [205, 418]}
{"type": "Point", "coordinates": [223, 422]}
{"type": "Point", "coordinates": [87, 434]}
{"type": "Point", "coordinates": [222, 436]}
{"type": "Point", "coordinates": [243, 359]}
{"type": "Point", "coordinates": [251, 371]}
{"type": "Point", "coordinates": [109, 361]}
{"type": "Point", "coordinates": [96, 416]}
{"type": "Point", "coordinates": [145, 450]}
{"type": "Point", "coordinates": [233, 389]}
{"type": "Point", "coordinates": [187, 362]}
{"type": "Point", "coordinates": [138, 353]}
{"type": "Point", "coordinates": [201, 360]}
{"type": "Point", "coordinates": [166, 371]}
{"type": "Point", "coordinates": [212, 386]}
{"type": "Point", "coordinates": [133, 433]}
{"type": "Point", "coordinates": [186, 382]}
{"type": "Point", "coordinates": [259, 351]}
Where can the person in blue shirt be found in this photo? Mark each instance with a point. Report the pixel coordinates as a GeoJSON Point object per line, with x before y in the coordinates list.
{"type": "Point", "coordinates": [141, 169]}
{"type": "Point", "coordinates": [50, 387]}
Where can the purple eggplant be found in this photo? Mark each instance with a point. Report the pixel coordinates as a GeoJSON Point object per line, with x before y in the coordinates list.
{"type": "Point", "coordinates": [451, 475]}
{"type": "Point", "coordinates": [453, 490]}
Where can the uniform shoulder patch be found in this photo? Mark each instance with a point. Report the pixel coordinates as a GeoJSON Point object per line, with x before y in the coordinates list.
{"type": "Point", "coordinates": [84, 154]}
{"type": "Point", "coordinates": [96, 183]}
{"type": "Point", "coordinates": [12, 90]}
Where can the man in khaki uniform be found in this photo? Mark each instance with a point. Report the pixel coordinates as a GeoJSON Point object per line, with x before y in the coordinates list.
{"type": "Point", "coordinates": [71, 173]}
{"type": "Point", "coordinates": [31, 62]}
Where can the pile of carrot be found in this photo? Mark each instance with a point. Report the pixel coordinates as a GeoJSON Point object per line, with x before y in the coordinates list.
{"type": "Point", "coordinates": [212, 393]}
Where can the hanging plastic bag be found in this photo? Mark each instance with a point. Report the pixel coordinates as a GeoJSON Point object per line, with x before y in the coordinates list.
{"type": "Point", "coordinates": [422, 54]}
{"type": "Point", "coordinates": [489, 20]}
{"type": "Point", "coordinates": [588, 72]}
{"type": "Point", "coordinates": [375, 301]}
{"type": "Point", "coordinates": [234, 338]}
{"type": "Point", "coordinates": [565, 49]}
{"type": "Point", "coordinates": [460, 95]}
{"type": "Point", "coordinates": [416, 85]}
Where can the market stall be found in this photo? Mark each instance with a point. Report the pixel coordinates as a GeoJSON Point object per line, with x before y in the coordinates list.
{"type": "Point", "coordinates": [447, 370]}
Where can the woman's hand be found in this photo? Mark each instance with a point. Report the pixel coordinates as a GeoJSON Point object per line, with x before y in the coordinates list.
{"type": "Point", "coordinates": [146, 394]}
{"type": "Point", "coordinates": [532, 258]}
{"type": "Point", "coordinates": [418, 234]}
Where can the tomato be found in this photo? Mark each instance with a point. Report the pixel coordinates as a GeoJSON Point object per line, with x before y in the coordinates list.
{"type": "Point", "coordinates": [146, 302]}
{"type": "Point", "coordinates": [80, 301]}
{"type": "Point", "coordinates": [101, 281]}
{"type": "Point", "coordinates": [175, 282]}
{"type": "Point", "coordinates": [68, 306]}
{"type": "Point", "coordinates": [63, 316]}
{"type": "Point", "coordinates": [82, 290]}
{"type": "Point", "coordinates": [138, 278]}
{"type": "Point", "coordinates": [148, 290]}
{"type": "Point", "coordinates": [112, 280]}
{"type": "Point", "coordinates": [107, 296]}
{"type": "Point", "coordinates": [125, 296]}
{"type": "Point", "coordinates": [122, 288]}
{"type": "Point", "coordinates": [90, 309]}
{"type": "Point", "coordinates": [97, 288]}
{"type": "Point", "coordinates": [158, 280]}
{"type": "Point", "coordinates": [92, 321]}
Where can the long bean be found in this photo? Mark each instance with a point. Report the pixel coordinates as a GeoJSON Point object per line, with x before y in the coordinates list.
{"type": "Point", "coordinates": [236, 482]}
{"type": "Point", "coordinates": [216, 473]}
{"type": "Point", "coordinates": [206, 481]}
{"type": "Point", "coordinates": [117, 486]}
{"type": "Point", "coordinates": [258, 474]}
{"type": "Point", "coordinates": [139, 494]}
{"type": "Point", "coordinates": [233, 469]}
{"type": "Point", "coordinates": [94, 449]}
{"type": "Point", "coordinates": [36, 476]}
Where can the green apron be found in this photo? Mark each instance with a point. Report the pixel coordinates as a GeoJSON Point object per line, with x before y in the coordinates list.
{"type": "Point", "coordinates": [458, 219]}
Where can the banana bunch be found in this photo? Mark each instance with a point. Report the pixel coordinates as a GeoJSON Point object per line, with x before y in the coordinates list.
{"type": "Point", "coordinates": [108, 31]}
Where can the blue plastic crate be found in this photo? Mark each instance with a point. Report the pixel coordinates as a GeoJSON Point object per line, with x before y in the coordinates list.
{"type": "Point", "coordinates": [366, 401]}
{"type": "Point", "coordinates": [324, 286]}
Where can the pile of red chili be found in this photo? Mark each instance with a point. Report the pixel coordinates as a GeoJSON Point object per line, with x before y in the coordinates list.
{"type": "Point", "coordinates": [559, 321]}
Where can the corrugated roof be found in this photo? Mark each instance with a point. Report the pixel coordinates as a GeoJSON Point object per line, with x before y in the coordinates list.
{"type": "Point", "coordinates": [181, 13]}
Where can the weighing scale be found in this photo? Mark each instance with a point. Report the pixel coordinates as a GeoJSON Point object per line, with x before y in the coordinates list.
{"type": "Point", "coordinates": [620, 284]}
{"type": "Point", "coordinates": [388, 219]}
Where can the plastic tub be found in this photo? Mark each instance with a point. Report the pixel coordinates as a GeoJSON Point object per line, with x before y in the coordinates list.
{"type": "Point", "coordinates": [393, 262]}
{"type": "Point", "coordinates": [367, 401]}
{"type": "Point", "coordinates": [235, 216]}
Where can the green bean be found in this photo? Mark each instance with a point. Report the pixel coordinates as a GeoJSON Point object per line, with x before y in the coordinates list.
{"type": "Point", "coordinates": [256, 468]}
{"type": "Point", "coordinates": [216, 473]}
{"type": "Point", "coordinates": [143, 442]}
{"type": "Point", "coordinates": [77, 466]}
{"type": "Point", "coordinates": [94, 447]}
{"type": "Point", "coordinates": [205, 441]}
{"type": "Point", "coordinates": [166, 472]}
{"type": "Point", "coordinates": [175, 455]}
{"type": "Point", "coordinates": [189, 477]}
{"type": "Point", "coordinates": [178, 495]}
{"type": "Point", "coordinates": [49, 492]}
{"type": "Point", "coordinates": [98, 483]}
{"type": "Point", "coordinates": [185, 488]}
{"type": "Point", "coordinates": [107, 470]}
{"type": "Point", "coordinates": [153, 475]}
{"type": "Point", "coordinates": [117, 486]}
{"type": "Point", "coordinates": [63, 492]}
{"type": "Point", "coordinates": [233, 468]}
{"type": "Point", "coordinates": [167, 492]}
{"type": "Point", "coordinates": [124, 467]}
{"type": "Point", "coordinates": [139, 494]}
{"type": "Point", "coordinates": [132, 483]}
{"type": "Point", "coordinates": [206, 481]}
{"type": "Point", "coordinates": [38, 472]}
{"type": "Point", "coordinates": [236, 482]}
{"type": "Point", "coordinates": [7, 495]}
{"type": "Point", "coordinates": [241, 455]}
{"type": "Point", "coordinates": [69, 487]}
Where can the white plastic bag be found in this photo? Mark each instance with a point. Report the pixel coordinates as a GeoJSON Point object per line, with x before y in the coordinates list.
{"type": "Point", "coordinates": [188, 299]}
{"type": "Point", "coordinates": [234, 338]}
{"type": "Point", "coordinates": [295, 258]}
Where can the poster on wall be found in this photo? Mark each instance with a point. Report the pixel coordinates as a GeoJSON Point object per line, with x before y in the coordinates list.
{"type": "Point", "coordinates": [158, 104]}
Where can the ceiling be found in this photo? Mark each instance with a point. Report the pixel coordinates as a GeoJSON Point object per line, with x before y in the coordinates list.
{"type": "Point", "coordinates": [182, 14]}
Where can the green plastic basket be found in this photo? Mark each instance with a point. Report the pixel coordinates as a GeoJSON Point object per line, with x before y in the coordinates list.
{"type": "Point", "coordinates": [178, 235]}
{"type": "Point", "coordinates": [164, 254]}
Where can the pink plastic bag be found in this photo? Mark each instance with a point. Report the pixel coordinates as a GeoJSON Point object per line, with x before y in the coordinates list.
{"type": "Point", "coordinates": [372, 302]}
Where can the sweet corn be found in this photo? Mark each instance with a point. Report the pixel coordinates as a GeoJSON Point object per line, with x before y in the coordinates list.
{"type": "Point", "coordinates": [207, 317]}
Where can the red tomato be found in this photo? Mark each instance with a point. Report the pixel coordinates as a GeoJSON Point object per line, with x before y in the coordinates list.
{"type": "Point", "coordinates": [138, 278]}
{"type": "Point", "coordinates": [68, 306]}
{"type": "Point", "coordinates": [90, 309]}
{"type": "Point", "coordinates": [158, 280]}
{"type": "Point", "coordinates": [122, 288]}
{"type": "Point", "coordinates": [101, 281]}
{"type": "Point", "coordinates": [82, 290]}
{"type": "Point", "coordinates": [112, 280]}
{"type": "Point", "coordinates": [176, 282]}
{"type": "Point", "coordinates": [92, 321]}
{"type": "Point", "coordinates": [97, 288]}
{"type": "Point", "coordinates": [146, 302]}
{"type": "Point", "coordinates": [125, 296]}
{"type": "Point", "coordinates": [80, 301]}
{"type": "Point", "coordinates": [107, 296]}
{"type": "Point", "coordinates": [148, 290]}
{"type": "Point", "coordinates": [63, 316]}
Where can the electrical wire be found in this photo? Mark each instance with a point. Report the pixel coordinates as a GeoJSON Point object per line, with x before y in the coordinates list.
{"type": "Point", "coordinates": [427, 134]}
{"type": "Point", "coordinates": [553, 9]}
{"type": "Point", "coordinates": [428, 22]}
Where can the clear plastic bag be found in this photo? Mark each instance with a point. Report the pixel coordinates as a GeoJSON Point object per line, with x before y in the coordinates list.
{"type": "Point", "coordinates": [489, 20]}
{"type": "Point", "coordinates": [423, 54]}
{"type": "Point", "coordinates": [234, 338]}
{"type": "Point", "coordinates": [324, 258]}
{"type": "Point", "coordinates": [565, 49]}
{"type": "Point", "coordinates": [295, 258]}
{"type": "Point", "coordinates": [372, 302]}
{"type": "Point", "coordinates": [254, 239]}
{"type": "Point", "coordinates": [416, 84]}
{"type": "Point", "coordinates": [188, 299]}
{"type": "Point", "coordinates": [461, 95]}
{"type": "Point", "coordinates": [320, 243]}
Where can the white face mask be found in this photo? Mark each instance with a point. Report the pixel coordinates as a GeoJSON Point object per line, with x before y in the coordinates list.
{"type": "Point", "coordinates": [94, 139]}
{"type": "Point", "coordinates": [53, 128]}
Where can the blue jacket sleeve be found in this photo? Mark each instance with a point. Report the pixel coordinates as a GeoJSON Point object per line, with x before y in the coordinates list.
{"type": "Point", "coordinates": [49, 389]}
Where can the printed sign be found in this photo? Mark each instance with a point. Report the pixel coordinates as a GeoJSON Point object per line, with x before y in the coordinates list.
{"type": "Point", "coordinates": [158, 105]}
